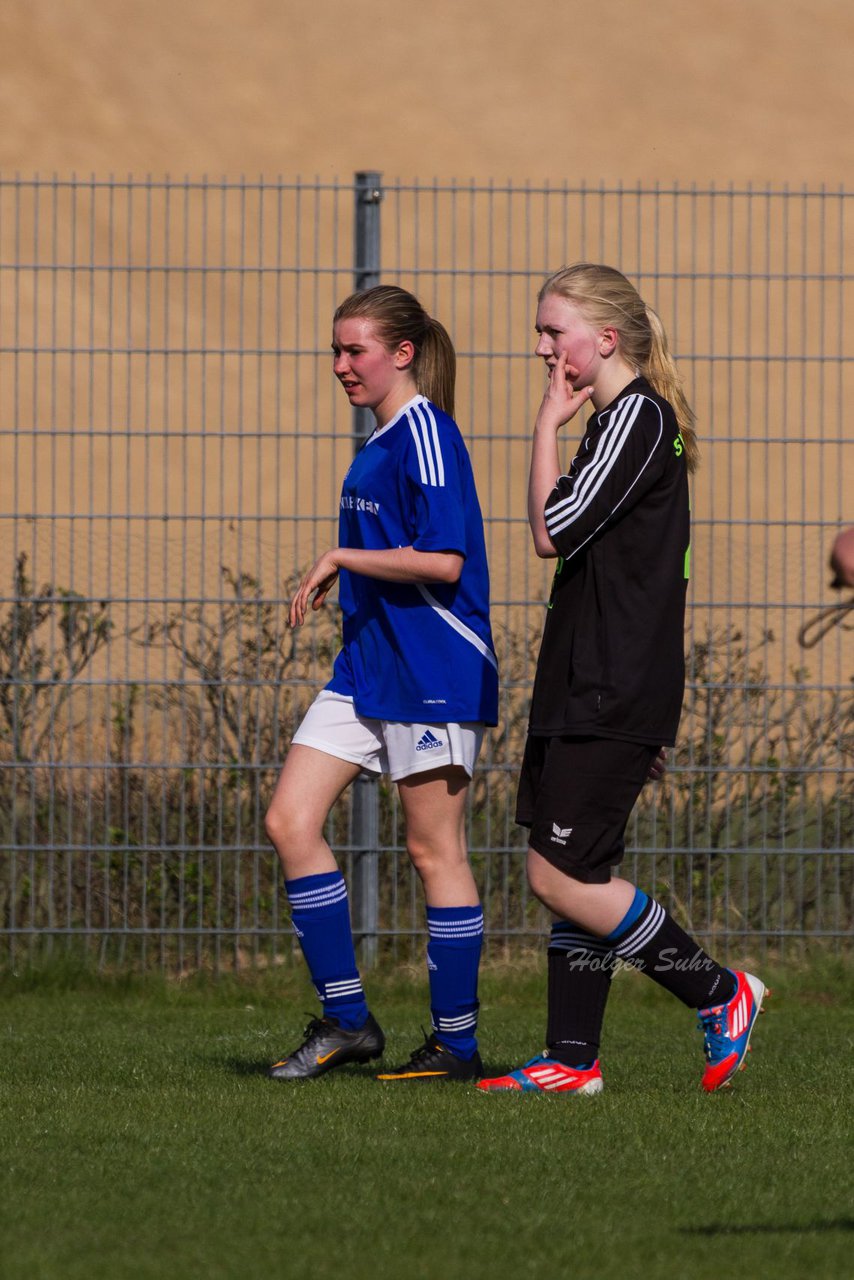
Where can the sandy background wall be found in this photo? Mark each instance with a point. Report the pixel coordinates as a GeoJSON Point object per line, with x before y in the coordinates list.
{"type": "Point", "coordinates": [737, 91]}
{"type": "Point", "coordinates": [731, 94]}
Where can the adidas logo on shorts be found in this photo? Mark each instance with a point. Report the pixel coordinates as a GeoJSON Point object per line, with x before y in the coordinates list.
{"type": "Point", "coordinates": [428, 742]}
{"type": "Point", "coordinates": [560, 835]}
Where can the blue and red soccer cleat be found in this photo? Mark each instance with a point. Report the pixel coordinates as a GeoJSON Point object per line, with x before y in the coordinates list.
{"type": "Point", "coordinates": [544, 1075]}
{"type": "Point", "coordinates": [726, 1031]}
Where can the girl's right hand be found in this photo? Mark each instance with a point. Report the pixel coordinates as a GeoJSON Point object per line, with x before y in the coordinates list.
{"type": "Point", "coordinates": [561, 401]}
{"type": "Point", "coordinates": [319, 581]}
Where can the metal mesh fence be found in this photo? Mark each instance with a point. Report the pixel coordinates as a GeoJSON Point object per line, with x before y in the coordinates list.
{"type": "Point", "coordinates": [172, 451]}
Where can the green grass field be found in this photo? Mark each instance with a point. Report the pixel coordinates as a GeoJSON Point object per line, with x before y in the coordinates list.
{"type": "Point", "coordinates": [140, 1137]}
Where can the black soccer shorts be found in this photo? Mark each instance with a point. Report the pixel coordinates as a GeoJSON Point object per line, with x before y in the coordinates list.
{"type": "Point", "coordinates": [576, 795]}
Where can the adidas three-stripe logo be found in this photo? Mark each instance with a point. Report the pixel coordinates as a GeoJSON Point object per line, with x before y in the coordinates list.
{"type": "Point", "coordinates": [649, 924]}
{"type": "Point", "coordinates": [339, 989]}
{"type": "Point", "coordinates": [428, 742]}
{"type": "Point", "coordinates": [422, 424]}
{"type": "Point", "coordinates": [738, 1018]}
{"type": "Point", "coordinates": [464, 1022]}
{"type": "Point", "coordinates": [314, 899]}
{"type": "Point", "coordinates": [614, 436]}
{"type": "Point", "coordinates": [472, 927]}
{"type": "Point", "coordinates": [548, 1077]}
{"type": "Point", "coordinates": [588, 482]}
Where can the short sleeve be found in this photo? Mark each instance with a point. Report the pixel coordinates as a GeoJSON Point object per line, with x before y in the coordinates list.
{"type": "Point", "coordinates": [436, 470]}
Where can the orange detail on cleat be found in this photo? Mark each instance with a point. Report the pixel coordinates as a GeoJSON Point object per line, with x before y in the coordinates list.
{"type": "Point", "coordinates": [727, 1030]}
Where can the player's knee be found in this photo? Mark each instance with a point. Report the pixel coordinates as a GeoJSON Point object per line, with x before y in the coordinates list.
{"type": "Point", "coordinates": [284, 827]}
{"type": "Point", "coordinates": [430, 857]}
{"type": "Point", "coordinates": [274, 826]}
{"type": "Point", "coordinates": [542, 878]}
{"type": "Point", "coordinates": [422, 852]}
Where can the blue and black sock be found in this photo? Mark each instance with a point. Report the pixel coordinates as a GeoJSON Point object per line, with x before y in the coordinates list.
{"type": "Point", "coordinates": [453, 959]}
{"type": "Point", "coordinates": [321, 919]}
{"type": "Point", "coordinates": [649, 938]}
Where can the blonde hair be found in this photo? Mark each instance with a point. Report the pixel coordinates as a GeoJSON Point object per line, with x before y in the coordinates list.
{"type": "Point", "coordinates": [400, 317]}
{"type": "Point", "coordinates": [607, 299]}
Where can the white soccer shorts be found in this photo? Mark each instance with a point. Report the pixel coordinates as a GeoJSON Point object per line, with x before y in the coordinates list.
{"type": "Point", "coordinates": [332, 724]}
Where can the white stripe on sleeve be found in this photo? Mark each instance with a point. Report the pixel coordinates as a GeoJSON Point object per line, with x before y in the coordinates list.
{"type": "Point", "coordinates": [425, 433]}
{"type": "Point", "coordinates": [417, 438]}
{"type": "Point", "coordinates": [590, 480]}
{"type": "Point", "coordinates": [564, 512]}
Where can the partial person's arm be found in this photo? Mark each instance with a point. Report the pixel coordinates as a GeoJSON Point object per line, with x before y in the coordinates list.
{"type": "Point", "coordinates": [842, 559]}
{"type": "Point", "coordinates": [394, 564]}
{"type": "Point", "coordinates": [614, 469]}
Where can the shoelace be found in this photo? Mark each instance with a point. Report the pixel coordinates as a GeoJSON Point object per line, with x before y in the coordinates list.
{"type": "Point", "coordinates": [711, 1024]}
{"type": "Point", "coordinates": [312, 1032]}
{"type": "Point", "coordinates": [426, 1050]}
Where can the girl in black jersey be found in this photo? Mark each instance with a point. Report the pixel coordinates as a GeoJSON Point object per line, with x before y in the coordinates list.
{"type": "Point", "coordinates": [610, 675]}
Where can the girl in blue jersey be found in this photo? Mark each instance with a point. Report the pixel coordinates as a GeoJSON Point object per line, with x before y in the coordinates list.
{"type": "Point", "coordinates": [412, 689]}
{"type": "Point", "coordinates": [610, 675]}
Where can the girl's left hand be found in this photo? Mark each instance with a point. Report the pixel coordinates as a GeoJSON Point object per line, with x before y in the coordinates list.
{"type": "Point", "coordinates": [658, 768]}
{"type": "Point", "coordinates": [319, 579]}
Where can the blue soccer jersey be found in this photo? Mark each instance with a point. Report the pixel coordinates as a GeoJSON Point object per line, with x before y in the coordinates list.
{"type": "Point", "coordinates": [416, 652]}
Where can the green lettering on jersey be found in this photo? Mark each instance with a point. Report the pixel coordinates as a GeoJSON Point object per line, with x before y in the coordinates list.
{"type": "Point", "coordinates": [679, 445]}
{"type": "Point", "coordinates": [557, 572]}
{"type": "Point", "coordinates": [688, 562]}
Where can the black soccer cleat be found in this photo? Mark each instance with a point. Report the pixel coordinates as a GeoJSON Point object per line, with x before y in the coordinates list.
{"type": "Point", "coordinates": [328, 1045]}
{"type": "Point", "coordinates": [435, 1061]}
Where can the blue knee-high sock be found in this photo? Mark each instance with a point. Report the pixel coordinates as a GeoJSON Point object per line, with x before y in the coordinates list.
{"type": "Point", "coordinates": [321, 919]}
{"type": "Point", "coordinates": [453, 957]}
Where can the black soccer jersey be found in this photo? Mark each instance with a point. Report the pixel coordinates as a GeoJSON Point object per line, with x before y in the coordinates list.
{"type": "Point", "coordinates": [612, 659]}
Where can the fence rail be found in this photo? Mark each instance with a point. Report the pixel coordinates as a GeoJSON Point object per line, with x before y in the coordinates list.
{"type": "Point", "coordinates": [171, 448]}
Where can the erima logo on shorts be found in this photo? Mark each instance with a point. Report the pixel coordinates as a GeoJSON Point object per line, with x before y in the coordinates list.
{"type": "Point", "coordinates": [560, 835]}
{"type": "Point", "coordinates": [428, 742]}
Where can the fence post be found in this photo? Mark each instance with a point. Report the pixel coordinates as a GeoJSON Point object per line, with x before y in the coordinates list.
{"type": "Point", "coordinates": [366, 803]}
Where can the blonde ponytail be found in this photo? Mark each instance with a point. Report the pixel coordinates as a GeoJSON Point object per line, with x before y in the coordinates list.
{"type": "Point", "coordinates": [662, 375]}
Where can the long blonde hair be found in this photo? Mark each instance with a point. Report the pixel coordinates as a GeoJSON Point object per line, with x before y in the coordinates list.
{"type": "Point", "coordinates": [607, 299]}
{"type": "Point", "coordinates": [400, 317]}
